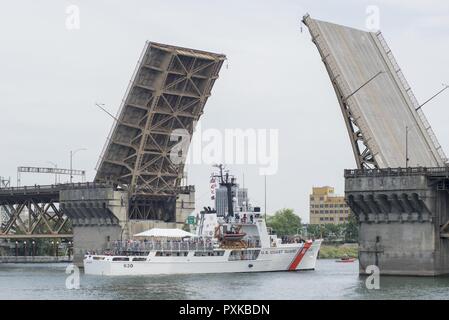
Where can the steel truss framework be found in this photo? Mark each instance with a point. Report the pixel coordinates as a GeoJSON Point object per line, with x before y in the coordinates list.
{"type": "Point", "coordinates": [32, 218]}
{"type": "Point", "coordinates": [362, 153]}
{"type": "Point", "coordinates": [162, 208]}
{"type": "Point", "coordinates": [36, 212]}
{"type": "Point", "coordinates": [165, 98]}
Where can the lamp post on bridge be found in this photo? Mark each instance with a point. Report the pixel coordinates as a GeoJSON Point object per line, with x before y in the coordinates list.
{"type": "Point", "coordinates": [72, 153]}
{"type": "Point", "coordinates": [33, 248]}
{"type": "Point", "coordinates": [69, 250]}
{"type": "Point", "coordinates": [56, 167]}
{"type": "Point", "coordinates": [406, 147]}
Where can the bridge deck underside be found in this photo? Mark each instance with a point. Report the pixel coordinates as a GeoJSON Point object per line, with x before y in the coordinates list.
{"type": "Point", "coordinates": [402, 206]}
{"type": "Point", "coordinates": [165, 99]}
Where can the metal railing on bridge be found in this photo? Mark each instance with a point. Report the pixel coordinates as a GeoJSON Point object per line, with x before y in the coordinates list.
{"type": "Point", "coordinates": [434, 171]}
{"type": "Point", "coordinates": [53, 187]}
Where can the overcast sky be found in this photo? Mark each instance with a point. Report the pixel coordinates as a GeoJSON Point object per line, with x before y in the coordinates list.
{"type": "Point", "coordinates": [50, 78]}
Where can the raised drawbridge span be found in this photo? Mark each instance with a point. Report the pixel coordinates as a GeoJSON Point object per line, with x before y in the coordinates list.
{"type": "Point", "coordinates": [165, 99]}
{"type": "Point", "coordinates": [385, 124]}
{"type": "Point", "coordinates": [168, 91]}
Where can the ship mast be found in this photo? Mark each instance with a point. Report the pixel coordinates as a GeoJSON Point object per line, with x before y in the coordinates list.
{"type": "Point", "coordinates": [227, 181]}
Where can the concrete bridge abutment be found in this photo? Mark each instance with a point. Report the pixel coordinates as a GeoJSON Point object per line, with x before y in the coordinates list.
{"type": "Point", "coordinates": [403, 217]}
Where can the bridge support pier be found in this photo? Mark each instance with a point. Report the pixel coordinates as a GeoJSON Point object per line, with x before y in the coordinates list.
{"type": "Point", "coordinates": [93, 239]}
{"type": "Point", "coordinates": [98, 216]}
{"type": "Point", "coordinates": [403, 217]}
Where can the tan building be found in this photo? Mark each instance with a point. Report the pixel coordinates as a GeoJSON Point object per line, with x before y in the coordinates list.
{"type": "Point", "coordinates": [326, 207]}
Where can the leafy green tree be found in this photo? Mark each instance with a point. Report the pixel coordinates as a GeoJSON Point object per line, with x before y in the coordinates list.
{"type": "Point", "coordinates": [351, 232]}
{"type": "Point", "coordinates": [314, 231]}
{"type": "Point", "coordinates": [284, 222]}
{"type": "Point", "coordinates": [347, 231]}
{"type": "Point", "coordinates": [326, 231]}
{"type": "Point", "coordinates": [334, 231]}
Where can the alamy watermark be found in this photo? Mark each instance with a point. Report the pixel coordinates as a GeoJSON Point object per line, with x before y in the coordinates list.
{"type": "Point", "coordinates": [73, 280]}
{"type": "Point", "coordinates": [373, 280]}
{"type": "Point", "coordinates": [72, 21]}
{"type": "Point", "coordinates": [229, 146]}
{"type": "Point", "coordinates": [372, 21]}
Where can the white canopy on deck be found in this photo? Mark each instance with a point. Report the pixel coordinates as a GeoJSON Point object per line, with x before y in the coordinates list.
{"type": "Point", "coordinates": [165, 233]}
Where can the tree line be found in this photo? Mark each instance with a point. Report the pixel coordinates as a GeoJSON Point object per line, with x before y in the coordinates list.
{"type": "Point", "coordinates": [286, 223]}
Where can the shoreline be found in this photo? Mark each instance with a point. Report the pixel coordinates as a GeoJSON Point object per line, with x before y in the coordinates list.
{"type": "Point", "coordinates": [336, 251]}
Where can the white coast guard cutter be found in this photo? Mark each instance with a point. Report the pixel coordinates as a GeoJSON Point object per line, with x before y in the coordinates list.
{"type": "Point", "coordinates": [238, 242]}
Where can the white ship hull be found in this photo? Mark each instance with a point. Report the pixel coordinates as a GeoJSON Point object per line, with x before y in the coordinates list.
{"type": "Point", "coordinates": [286, 257]}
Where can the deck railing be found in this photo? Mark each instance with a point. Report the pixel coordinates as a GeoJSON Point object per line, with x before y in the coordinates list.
{"type": "Point", "coordinates": [171, 245]}
{"type": "Point", "coordinates": [134, 246]}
